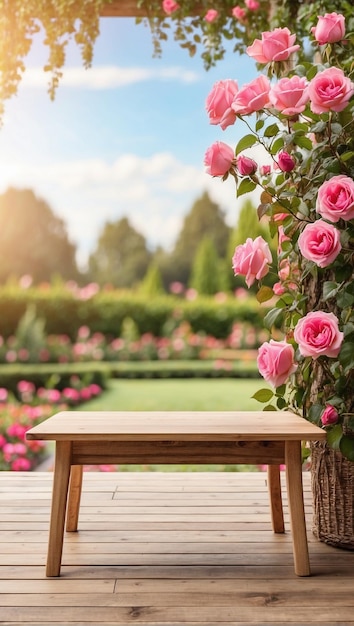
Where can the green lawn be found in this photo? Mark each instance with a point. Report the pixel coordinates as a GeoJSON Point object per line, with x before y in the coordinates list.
{"type": "Point", "coordinates": [178, 395]}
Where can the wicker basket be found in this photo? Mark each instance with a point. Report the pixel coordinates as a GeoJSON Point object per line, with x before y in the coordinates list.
{"type": "Point", "coordinates": [333, 497]}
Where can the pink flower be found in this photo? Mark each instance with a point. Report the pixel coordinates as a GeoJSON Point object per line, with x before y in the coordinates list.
{"type": "Point", "coordinates": [246, 166]}
{"type": "Point", "coordinates": [219, 158]}
{"type": "Point", "coordinates": [320, 242]}
{"type": "Point", "coordinates": [211, 15]}
{"type": "Point", "coordinates": [329, 416]}
{"type": "Point", "coordinates": [276, 45]}
{"type": "Point", "coordinates": [278, 289]}
{"type": "Point", "coordinates": [290, 95]}
{"type": "Point", "coordinates": [275, 361]}
{"type": "Point", "coordinates": [330, 90]}
{"type": "Point", "coordinates": [21, 465]}
{"type": "Point", "coordinates": [251, 259]}
{"type": "Point", "coordinates": [335, 198]}
{"type": "Point", "coordinates": [252, 97]}
{"type": "Point", "coordinates": [218, 103]}
{"type": "Point", "coordinates": [318, 334]}
{"type": "Point", "coordinates": [169, 6]}
{"type": "Point", "coordinates": [3, 394]}
{"type": "Point", "coordinates": [264, 170]}
{"type": "Point", "coordinates": [329, 29]}
{"type": "Point", "coordinates": [252, 5]}
{"type": "Point", "coordinates": [286, 162]}
{"type": "Point", "coordinates": [239, 13]}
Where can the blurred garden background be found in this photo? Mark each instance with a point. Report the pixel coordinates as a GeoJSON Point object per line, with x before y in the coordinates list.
{"type": "Point", "coordinates": [138, 330]}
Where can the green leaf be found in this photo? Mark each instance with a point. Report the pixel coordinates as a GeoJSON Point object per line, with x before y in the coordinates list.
{"type": "Point", "coordinates": [346, 155]}
{"type": "Point", "coordinates": [246, 142]}
{"type": "Point", "coordinates": [263, 395]}
{"type": "Point", "coordinates": [273, 317]}
{"type": "Point", "coordinates": [346, 356]}
{"type": "Point", "coordinates": [245, 186]}
{"type": "Point", "coordinates": [300, 126]}
{"type": "Point", "coordinates": [346, 446]}
{"type": "Point", "coordinates": [303, 142]}
{"type": "Point", "coordinates": [281, 403]}
{"type": "Point", "coordinates": [315, 412]}
{"type": "Point", "coordinates": [259, 125]}
{"type": "Point", "coordinates": [271, 130]}
{"type": "Point", "coordinates": [270, 407]}
{"type": "Point", "coordinates": [334, 435]}
{"type": "Point", "coordinates": [330, 289]}
{"type": "Point", "coordinates": [277, 145]}
{"type": "Point", "coordinates": [264, 294]}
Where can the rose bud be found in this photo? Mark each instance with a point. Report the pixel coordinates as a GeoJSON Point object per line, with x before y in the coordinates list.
{"type": "Point", "coordinates": [286, 162]}
{"type": "Point", "coordinates": [246, 166]}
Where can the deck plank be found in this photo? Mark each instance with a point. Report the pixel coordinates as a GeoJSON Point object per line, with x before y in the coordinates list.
{"type": "Point", "coordinates": [165, 550]}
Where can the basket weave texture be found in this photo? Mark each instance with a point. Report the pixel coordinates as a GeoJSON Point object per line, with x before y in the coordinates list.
{"type": "Point", "coordinates": [333, 496]}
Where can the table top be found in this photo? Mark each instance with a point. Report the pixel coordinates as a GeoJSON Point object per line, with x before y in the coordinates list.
{"type": "Point", "coordinates": [176, 426]}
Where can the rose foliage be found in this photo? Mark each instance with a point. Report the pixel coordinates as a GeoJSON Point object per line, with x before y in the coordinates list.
{"type": "Point", "coordinates": [299, 116]}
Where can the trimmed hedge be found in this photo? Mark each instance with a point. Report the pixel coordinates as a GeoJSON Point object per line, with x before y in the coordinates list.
{"type": "Point", "coordinates": [105, 312]}
{"type": "Point", "coordinates": [183, 369]}
{"type": "Point", "coordinates": [53, 375]}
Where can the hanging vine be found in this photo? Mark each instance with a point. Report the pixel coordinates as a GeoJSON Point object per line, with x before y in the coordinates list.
{"type": "Point", "coordinates": [60, 21]}
{"type": "Point", "coordinates": [202, 27]}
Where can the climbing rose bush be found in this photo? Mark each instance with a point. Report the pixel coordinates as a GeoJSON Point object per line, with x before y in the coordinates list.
{"type": "Point", "coordinates": [302, 124]}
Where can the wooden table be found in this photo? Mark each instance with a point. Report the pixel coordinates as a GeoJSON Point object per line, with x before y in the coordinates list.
{"type": "Point", "coordinates": [99, 437]}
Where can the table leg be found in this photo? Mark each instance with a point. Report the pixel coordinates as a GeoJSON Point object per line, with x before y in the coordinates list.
{"type": "Point", "coordinates": [276, 505]}
{"type": "Point", "coordinates": [72, 515]}
{"type": "Point", "coordinates": [296, 507]}
{"type": "Point", "coordinates": [59, 498]}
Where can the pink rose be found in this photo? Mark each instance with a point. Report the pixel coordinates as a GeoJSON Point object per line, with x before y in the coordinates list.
{"type": "Point", "coordinates": [219, 159]}
{"type": "Point", "coordinates": [278, 289]}
{"type": "Point", "coordinates": [318, 334]}
{"type": "Point", "coordinates": [251, 259]}
{"type": "Point", "coordinates": [330, 90]}
{"type": "Point", "coordinates": [285, 161]}
{"type": "Point", "coordinates": [239, 13]}
{"type": "Point", "coordinates": [252, 97]}
{"type": "Point", "coordinates": [211, 15]}
{"type": "Point", "coordinates": [169, 6]}
{"type": "Point", "coordinates": [276, 45]}
{"type": "Point", "coordinates": [245, 165]}
{"type": "Point", "coordinates": [265, 170]}
{"type": "Point", "coordinates": [290, 95]}
{"type": "Point", "coordinates": [335, 198]}
{"type": "Point", "coordinates": [218, 103]}
{"type": "Point", "coordinates": [252, 5]}
{"type": "Point", "coordinates": [330, 28]}
{"type": "Point", "coordinates": [320, 242]}
{"type": "Point", "coordinates": [276, 361]}
{"type": "Point", "coordinates": [329, 416]}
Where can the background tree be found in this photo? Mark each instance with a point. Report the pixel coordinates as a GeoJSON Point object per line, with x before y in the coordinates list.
{"type": "Point", "coordinates": [151, 284]}
{"type": "Point", "coordinates": [121, 257]}
{"type": "Point", "coordinates": [205, 218]}
{"type": "Point", "coordinates": [33, 240]}
{"type": "Point", "coordinates": [205, 276]}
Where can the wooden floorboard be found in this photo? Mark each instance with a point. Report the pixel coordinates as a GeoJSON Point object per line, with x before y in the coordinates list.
{"type": "Point", "coordinates": [165, 550]}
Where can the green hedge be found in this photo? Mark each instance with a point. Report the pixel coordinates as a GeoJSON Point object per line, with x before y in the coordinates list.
{"type": "Point", "coordinates": [105, 312]}
{"type": "Point", "coordinates": [54, 375]}
{"type": "Point", "coordinates": [183, 369]}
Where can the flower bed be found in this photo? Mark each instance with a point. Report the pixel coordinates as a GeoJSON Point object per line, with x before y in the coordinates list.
{"type": "Point", "coordinates": [35, 405]}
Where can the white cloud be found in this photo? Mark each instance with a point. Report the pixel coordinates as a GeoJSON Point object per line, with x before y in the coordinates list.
{"type": "Point", "coordinates": [155, 193]}
{"type": "Point", "coordinates": [107, 76]}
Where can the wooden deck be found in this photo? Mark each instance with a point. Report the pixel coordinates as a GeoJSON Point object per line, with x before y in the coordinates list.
{"type": "Point", "coordinates": [165, 550]}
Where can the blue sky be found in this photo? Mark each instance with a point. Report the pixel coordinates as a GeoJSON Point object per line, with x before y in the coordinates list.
{"type": "Point", "coordinates": [126, 137]}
